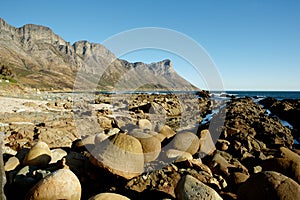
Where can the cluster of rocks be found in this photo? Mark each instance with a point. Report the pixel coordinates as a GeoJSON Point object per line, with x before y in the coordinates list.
{"type": "Point", "coordinates": [286, 109]}
{"type": "Point", "coordinates": [130, 155]}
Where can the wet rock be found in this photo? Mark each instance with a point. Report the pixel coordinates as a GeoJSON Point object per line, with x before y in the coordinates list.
{"type": "Point", "coordinates": [269, 185]}
{"type": "Point", "coordinates": [287, 109]}
{"type": "Point", "coordinates": [248, 123]}
{"type": "Point", "coordinates": [39, 155]}
{"type": "Point", "coordinates": [61, 184]}
{"type": "Point", "coordinates": [190, 188]}
{"type": "Point", "coordinates": [108, 196]}
{"type": "Point", "coordinates": [121, 154]}
{"type": "Point", "coordinates": [186, 141]}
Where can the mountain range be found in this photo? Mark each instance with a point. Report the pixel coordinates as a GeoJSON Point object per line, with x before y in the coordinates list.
{"type": "Point", "coordinates": [34, 56]}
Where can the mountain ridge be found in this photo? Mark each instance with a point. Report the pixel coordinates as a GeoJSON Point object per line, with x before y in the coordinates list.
{"type": "Point", "coordinates": [39, 58]}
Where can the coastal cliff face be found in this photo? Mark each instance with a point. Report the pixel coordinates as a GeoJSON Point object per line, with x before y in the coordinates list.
{"type": "Point", "coordinates": [41, 59]}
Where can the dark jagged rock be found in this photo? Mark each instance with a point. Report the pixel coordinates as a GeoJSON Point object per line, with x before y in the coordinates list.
{"type": "Point", "coordinates": [247, 123]}
{"type": "Point", "coordinates": [287, 109]}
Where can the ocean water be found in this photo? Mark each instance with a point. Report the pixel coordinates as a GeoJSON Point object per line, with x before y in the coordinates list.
{"type": "Point", "coordinates": [262, 94]}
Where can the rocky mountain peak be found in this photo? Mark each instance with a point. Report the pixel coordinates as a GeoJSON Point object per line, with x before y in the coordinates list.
{"type": "Point", "coordinates": [85, 48]}
{"type": "Point", "coordinates": [42, 59]}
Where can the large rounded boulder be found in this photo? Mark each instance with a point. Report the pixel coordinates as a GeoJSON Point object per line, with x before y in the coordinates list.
{"type": "Point", "coordinates": [39, 155]}
{"type": "Point", "coordinates": [120, 154]}
{"type": "Point", "coordinates": [187, 142]}
{"type": "Point", "coordinates": [151, 145]}
{"type": "Point", "coordinates": [288, 164]}
{"type": "Point", "coordinates": [61, 184]}
{"type": "Point", "coordinates": [269, 185]}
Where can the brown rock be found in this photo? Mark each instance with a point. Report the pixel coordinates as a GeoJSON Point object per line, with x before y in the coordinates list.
{"type": "Point", "coordinates": [207, 146]}
{"type": "Point", "coordinates": [121, 154]}
{"type": "Point", "coordinates": [288, 164]}
{"type": "Point", "coordinates": [160, 137]}
{"type": "Point", "coordinates": [105, 122]}
{"type": "Point", "coordinates": [39, 155]}
{"type": "Point", "coordinates": [223, 144]}
{"type": "Point", "coordinates": [61, 184]}
{"type": "Point", "coordinates": [166, 131]}
{"type": "Point", "coordinates": [150, 144]}
{"type": "Point", "coordinates": [239, 177]}
{"type": "Point", "coordinates": [269, 185]}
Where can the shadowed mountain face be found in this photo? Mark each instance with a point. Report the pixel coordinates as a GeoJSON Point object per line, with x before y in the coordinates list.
{"type": "Point", "coordinates": [39, 58]}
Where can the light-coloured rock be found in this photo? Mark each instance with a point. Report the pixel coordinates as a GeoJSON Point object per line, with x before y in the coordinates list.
{"type": "Point", "coordinates": [257, 169]}
{"type": "Point", "coordinates": [108, 196]}
{"type": "Point", "coordinates": [269, 185]}
{"type": "Point", "coordinates": [61, 184]}
{"type": "Point", "coordinates": [8, 150]}
{"type": "Point", "coordinates": [100, 137]}
{"type": "Point", "coordinates": [144, 124]}
{"type": "Point", "coordinates": [190, 188]}
{"type": "Point", "coordinates": [167, 131]}
{"type": "Point", "coordinates": [120, 154]}
{"type": "Point", "coordinates": [88, 139]}
{"type": "Point", "coordinates": [57, 154]}
{"type": "Point", "coordinates": [177, 155]}
{"type": "Point", "coordinates": [11, 164]}
{"type": "Point", "coordinates": [105, 122]}
{"type": "Point", "coordinates": [39, 155]}
{"type": "Point", "coordinates": [224, 144]}
{"type": "Point", "coordinates": [207, 145]}
{"type": "Point", "coordinates": [160, 137]}
{"type": "Point", "coordinates": [150, 144]}
{"type": "Point", "coordinates": [186, 141]}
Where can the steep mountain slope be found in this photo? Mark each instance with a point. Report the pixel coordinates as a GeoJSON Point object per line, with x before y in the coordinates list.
{"type": "Point", "coordinates": [39, 58]}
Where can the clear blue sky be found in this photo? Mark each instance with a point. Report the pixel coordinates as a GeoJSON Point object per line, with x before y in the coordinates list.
{"type": "Point", "coordinates": [254, 43]}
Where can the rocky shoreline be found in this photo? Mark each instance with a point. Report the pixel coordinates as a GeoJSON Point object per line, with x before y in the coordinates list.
{"type": "Point", "coordinates": [142, 146]}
